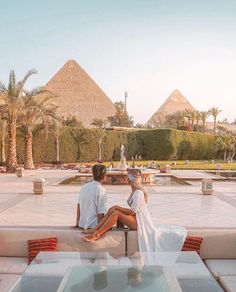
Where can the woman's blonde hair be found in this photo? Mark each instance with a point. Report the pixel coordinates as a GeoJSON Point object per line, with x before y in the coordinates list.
{"type": "Point", "coordinates": [135, 178]}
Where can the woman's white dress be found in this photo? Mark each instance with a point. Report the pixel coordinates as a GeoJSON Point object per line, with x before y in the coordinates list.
{"type": "Point", "coordinates": [152, 238]}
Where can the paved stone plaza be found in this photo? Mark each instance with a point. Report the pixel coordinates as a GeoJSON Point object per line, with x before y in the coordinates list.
{"type": "Point", "coordinates": [178, 204]}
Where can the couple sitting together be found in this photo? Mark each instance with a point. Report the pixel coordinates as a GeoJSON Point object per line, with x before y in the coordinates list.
{"type": "Point", "coordinates": [95, 220]}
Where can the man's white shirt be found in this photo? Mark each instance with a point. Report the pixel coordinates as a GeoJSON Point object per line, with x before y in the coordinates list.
{"type": "Point", "coordinates": [92, 200]}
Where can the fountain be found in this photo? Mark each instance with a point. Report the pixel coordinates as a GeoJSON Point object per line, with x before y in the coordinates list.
{"type": "Point", "coordinates": [118, 176]}
{"type": "Point", "coordinates": [115, 175]}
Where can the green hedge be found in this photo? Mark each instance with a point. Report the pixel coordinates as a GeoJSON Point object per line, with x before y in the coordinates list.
{"type": "Point", "coordinates": [157, 144]}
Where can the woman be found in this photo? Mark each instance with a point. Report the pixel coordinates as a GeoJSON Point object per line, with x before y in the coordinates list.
{"type": "Point", "coordinates": [150, 238]}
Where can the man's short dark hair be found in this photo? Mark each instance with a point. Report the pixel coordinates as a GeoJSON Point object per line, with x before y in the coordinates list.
{"type": "Point", "coordinates": [99, 172]}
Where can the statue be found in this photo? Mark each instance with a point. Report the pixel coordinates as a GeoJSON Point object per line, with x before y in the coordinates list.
{"type": "Point", "coordinates": [122, 151]}
{"type": "Point", "coordinates": [122, 164]}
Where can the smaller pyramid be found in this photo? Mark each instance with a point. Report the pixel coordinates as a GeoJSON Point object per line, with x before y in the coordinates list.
{"type": "Point", "coordinates": [174, 103]}
{"type": "Point", "coordinates": [78, 95]}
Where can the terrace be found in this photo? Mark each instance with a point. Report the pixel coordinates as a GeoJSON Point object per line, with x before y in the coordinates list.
{"type": "Point", "coordinates": [168, 204]}
{"type": "Point", "coordinates": [53, 212]}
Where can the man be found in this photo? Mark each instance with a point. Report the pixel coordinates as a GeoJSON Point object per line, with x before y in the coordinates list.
{"type": "Point", "coordinates": [92, 200]}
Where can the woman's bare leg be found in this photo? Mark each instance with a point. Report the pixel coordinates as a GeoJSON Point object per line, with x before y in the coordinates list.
{"type": "Point", "coordinates": [91, 230]}
{"type": "Point", "coordinates": [128, 220]}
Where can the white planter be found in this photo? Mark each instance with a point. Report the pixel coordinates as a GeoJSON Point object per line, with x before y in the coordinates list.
{"type": "Point", "coordinates": [38, 186]}
{"type": "Point", "coordinates": [207, 186]}
{"type": "Point", "coordinates": [19, 171]}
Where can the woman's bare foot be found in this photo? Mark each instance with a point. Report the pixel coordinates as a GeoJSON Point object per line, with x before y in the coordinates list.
{"type": "Point", "coordinates": [91, 237]}
{"type": "Point", "coordinates": [88, 231]}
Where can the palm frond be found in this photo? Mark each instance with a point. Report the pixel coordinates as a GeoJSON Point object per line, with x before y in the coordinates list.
{"type": "Point", "coordinates": [3, 109]}
{"type": "Point", "coordinates": [3, 88]}
{"type": "Point", "coordinates": [11, 84]}
{"type": "Point", "coordinates": [20, 85]}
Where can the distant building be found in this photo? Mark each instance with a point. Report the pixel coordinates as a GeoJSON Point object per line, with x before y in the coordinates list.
{"type": "Point", "coordinates": [78, 95]}
{"type": "Point", "coordinates": [175, 102]}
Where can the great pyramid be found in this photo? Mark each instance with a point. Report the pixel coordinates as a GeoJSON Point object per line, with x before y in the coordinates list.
{"type": "Point", "coordinates": [174, 103]}
{"type": "Point", "coordinates": [78, 95]}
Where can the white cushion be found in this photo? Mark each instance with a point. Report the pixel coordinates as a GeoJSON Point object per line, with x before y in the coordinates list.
{"type": "Point", "coordinates": [217, 244]}
{"type": "Point", "coordinates": [14, 241]}
{"type": "Point", "coordinates": [7, 281]}
{"type": "Point", "coordinates": [12, 265]}
{"type": "Point", "coordinates": [222, 267]}
{"type": "Point", "coordinates": [229, 283]}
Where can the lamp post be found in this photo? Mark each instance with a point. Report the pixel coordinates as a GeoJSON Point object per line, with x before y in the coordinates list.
{"type": "Point", "coordinates": [126, 96]}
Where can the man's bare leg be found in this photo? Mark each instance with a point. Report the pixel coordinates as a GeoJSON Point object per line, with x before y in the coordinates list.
{"type": "Point", "coordinates": [91, 230]}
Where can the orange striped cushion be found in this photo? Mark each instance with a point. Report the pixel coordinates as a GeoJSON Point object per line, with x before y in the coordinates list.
{"type": "Point", "coordinates": [37, 245]}
{"type": "Point", "coordinates": [192, 243]}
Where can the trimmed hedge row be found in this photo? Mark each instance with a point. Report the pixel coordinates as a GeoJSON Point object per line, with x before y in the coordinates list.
{"type": "Point", "coordinates": [157, 144]}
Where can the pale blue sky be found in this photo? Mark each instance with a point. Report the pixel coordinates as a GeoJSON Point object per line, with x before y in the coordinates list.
{"type": "Point", "coordinates": [147, 47]}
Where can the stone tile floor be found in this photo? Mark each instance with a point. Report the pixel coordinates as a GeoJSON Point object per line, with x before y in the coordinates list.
{"type": "Point", "coordinates": [182, 204]}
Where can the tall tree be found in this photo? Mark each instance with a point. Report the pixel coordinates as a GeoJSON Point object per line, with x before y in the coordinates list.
{"type": "Point", "coordinates": [192, 118]}
{"type": "Point", "coordinates": [198, 118]}
{"type": "Point", "coordinates": [121, 117]}
{"type": "Point", "coordinates": [179, 117]}
{"type": "Point", "coordinates": [101, 133]}
{"type": "Point", "coordinates": [11, 101]}
{"type": "Point", "coordinates": [57, 129]}
{"type": "Point", "coordinates": [3, 134]}
{"type": "Point", "coordinates": [204, 116]}
{"type": "Point", "coordinates": [226, 145]}
{"type": "Point", "coordinates": [188, 116]}
{"type": "Point", "coordinates": [173, 120]}
{"type": "Point", "coordinates": [234, 122]}
{"type": "Point", "coordinates": [214, 111]}
{"type": "Point", "coordinates": [72, 122]}
{"type": "Point", "coordinates": [36, 106]}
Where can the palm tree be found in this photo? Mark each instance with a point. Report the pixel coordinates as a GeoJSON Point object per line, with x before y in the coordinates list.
{"type": "Point", "coordinates": [214, 111]}
{"type": "Point", "coordinates": [191, 116]}
{"type": "Point", "coordinates": [226, 144]}
{"type": "Point", "coordinates": [221, 145]}
{"type": "Point", "coordinates": [121, 117]}
{"type": "Point", "coordinates": [179, 116]}
{"type": "Point", "coordinates": [36, 106]}
{"type": "Point", "coordinates": [232, 148]}
{"type": "Point", "coordinates": [3, 134]}
{"type": "Point", "coordinates": [57, 129]}
{"type": "Point", "coordinates": [11, 103]}
{"type": "Point", "coordinates": [198, 118]}
{"type": "Point", "coordinates": [187, 115]}
{"type": "Point", "coordinates": [204, 116]}
{"type": "Point", "coordinates": [140, 126]}
{"type": "Point", "coordinates": [101, 133]}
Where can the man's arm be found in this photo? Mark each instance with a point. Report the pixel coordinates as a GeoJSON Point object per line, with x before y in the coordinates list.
{"type": "Point", "coordinates": [77, 216]}
{"type": "Point", "coordinates": [102, 205]}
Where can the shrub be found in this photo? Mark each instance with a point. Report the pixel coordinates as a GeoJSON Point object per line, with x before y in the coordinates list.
{"type": "Point", "coordinates": [152, 144]}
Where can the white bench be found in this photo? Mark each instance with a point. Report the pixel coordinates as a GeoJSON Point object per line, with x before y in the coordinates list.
{"type": "Point", "coordinates": [218, 250]}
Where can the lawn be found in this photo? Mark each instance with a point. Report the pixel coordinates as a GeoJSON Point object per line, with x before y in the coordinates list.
{"type": "Point", "coordinates": [181, 164]}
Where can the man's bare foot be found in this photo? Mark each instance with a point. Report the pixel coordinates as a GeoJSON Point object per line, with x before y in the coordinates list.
{"type": "Point", "coordinates": [88, 231]}
{"type": "Point", "coordinates": [91, 237]}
